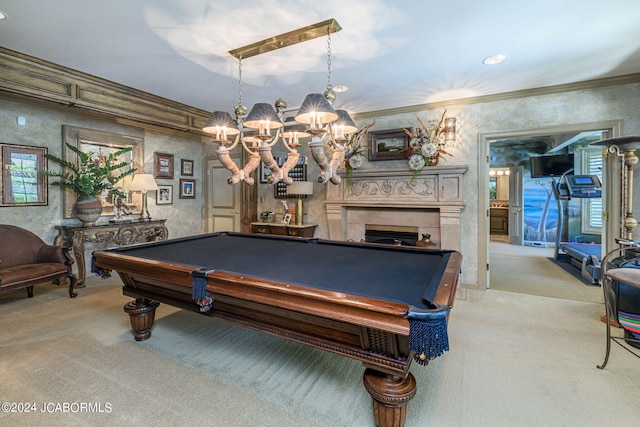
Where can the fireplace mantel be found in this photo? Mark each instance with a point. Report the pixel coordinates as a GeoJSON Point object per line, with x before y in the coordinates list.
{"type": "Point", "coordinates": [431, 200]}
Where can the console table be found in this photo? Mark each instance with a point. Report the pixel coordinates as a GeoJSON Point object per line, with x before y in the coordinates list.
{"type": "Point", "coordinates": [108, 234]}
{"type": "Point", "coordinates": [304, 230]}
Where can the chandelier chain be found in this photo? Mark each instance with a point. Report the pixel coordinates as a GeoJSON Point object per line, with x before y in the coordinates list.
{"type": "Point", "coordinates": [240, 80]}
{"type": "Point", "coordinates": [329, 86]}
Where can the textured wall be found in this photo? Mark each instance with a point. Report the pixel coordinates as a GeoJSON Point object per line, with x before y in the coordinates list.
{"type": "Point", "coordinates": [44, 129]}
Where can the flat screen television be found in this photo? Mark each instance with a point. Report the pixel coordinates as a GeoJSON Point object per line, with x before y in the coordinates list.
{"type": "Point", "coordinates": [550, 166]}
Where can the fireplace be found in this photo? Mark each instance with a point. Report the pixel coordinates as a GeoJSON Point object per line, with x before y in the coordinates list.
{"type": "Point", "coordinates": [401, 236]}
{"type": "Point", "coordinates": [431, 202]}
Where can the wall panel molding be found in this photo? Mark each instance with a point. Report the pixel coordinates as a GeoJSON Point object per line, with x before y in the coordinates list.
{"type": "Point", "coordinates": [35, 78]}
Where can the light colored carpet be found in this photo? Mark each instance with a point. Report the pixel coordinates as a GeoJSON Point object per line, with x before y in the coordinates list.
{"type": "Point", "coordinates": [529, 270]}
{"type": "Point", "coordinates": [515, 360]}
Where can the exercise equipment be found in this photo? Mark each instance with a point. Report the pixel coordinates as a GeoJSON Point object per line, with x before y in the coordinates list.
{"type": "Point", "coordinates": [585, 256]}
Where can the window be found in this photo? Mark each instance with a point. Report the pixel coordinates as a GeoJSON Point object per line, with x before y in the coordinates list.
{"type": "Point", "coordinates": [592, 208]}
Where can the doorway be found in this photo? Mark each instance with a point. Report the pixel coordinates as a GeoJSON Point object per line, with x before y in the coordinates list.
{"type": "Point", "coordinates": [223, 200]}
{"type": "Point", "coordinates": [517, 148]}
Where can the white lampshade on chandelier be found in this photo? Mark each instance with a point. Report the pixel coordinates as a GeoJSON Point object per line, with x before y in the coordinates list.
{"type": "Point", "coordinates": [263, 127]}
{"type": "Point", "coordinates": [221, 125]}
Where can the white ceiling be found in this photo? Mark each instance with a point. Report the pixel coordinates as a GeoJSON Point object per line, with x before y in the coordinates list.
{"type": "Point", "coordinates": [389, 53]}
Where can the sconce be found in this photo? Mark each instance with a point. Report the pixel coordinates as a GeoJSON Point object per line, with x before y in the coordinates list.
{"type": "Point", "coordinates": [300, 188]}
{"type": "Point", "coordinates": [449, 131]}
{"type": "Point", "coordinates": [144, 182]}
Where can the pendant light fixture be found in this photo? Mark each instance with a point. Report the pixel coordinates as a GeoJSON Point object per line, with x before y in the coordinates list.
{"type": "Point", "coordinates": [264, 125]}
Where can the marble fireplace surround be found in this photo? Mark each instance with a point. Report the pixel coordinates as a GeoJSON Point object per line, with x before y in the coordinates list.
{"type": "Point", "coordinates": [432, 202]}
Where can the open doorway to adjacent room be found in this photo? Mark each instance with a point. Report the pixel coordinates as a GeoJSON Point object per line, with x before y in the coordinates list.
{"type": "Point", "coordinates": [525, 221]}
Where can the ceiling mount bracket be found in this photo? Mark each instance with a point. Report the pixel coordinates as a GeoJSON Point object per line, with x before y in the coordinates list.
{"type": "Point", "coordinates": [287, 39]}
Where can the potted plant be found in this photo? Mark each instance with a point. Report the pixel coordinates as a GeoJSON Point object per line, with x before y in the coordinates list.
{"type": "Point", "coordinates": [88, 179]}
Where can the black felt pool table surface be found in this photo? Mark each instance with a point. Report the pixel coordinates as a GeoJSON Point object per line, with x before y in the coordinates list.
{"type": "Point", "coordinates": [392, 273]}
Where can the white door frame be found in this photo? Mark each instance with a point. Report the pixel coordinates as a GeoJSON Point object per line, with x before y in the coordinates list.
{"type": "Point", "coordinates": [611, 192]}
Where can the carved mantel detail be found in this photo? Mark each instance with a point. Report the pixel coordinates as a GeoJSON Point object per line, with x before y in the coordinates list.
{"type": "Point", "coordinates": [431, 200]}
{"type": "Point", "coordinates": [419, 188]}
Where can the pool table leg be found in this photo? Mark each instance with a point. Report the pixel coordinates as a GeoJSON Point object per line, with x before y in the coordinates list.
{"type": "Point", "coordinates": [142, 313]}
{"type": "Point", "coordinates": [390, 394]}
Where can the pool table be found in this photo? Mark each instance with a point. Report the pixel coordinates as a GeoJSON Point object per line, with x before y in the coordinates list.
{"type": "Point", "coordinates": [383, 305]}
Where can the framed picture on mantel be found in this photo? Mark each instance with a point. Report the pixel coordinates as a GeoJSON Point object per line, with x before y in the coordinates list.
{"type": "Point", "coordinates": [388, 145]}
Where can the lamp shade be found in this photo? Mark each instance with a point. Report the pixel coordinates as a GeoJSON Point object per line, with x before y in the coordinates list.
{"type": "Point", "coordinates": [316, 111]}
{"type": "Point", "coordinates": [221, 124]}
{"type": "Point", "coordinates": [263, 116]}
{"type": "Point", "coordinates": [143, 182]}
{"type": "Point", "coordinates": [294, 130]}
{"type": "Point", "coordinates": [250, 137]}
{"type": "Point", "coordinates": [344, 125]}
{"type": "Point", "coordinates": [302, 188]}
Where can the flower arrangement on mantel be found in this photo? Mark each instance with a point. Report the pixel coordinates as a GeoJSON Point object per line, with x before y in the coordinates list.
{"type": "Point", "coordinates": [354, 152]}
{"type": "Point", "coordinates": [424, 147]}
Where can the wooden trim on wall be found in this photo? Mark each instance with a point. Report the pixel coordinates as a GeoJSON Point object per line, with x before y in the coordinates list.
{"type": "Point", "coordinates": [33, 77]}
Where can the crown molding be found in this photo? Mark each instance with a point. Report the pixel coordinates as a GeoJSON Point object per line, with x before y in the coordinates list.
{"type": "Point", "coordinates": [568, 87]}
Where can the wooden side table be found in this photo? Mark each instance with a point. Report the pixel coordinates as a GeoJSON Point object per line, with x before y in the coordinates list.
{"type": "Point", "coordinates": [111, 234]}
{"type": "Point", "coordinates": [304, 230]}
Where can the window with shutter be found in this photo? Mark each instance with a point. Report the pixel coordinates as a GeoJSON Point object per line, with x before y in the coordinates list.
{"type": "Point", "coordinates": [592, 208]}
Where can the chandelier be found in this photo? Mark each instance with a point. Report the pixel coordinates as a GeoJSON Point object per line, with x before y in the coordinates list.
{"type": "Point", "coordinates": [258, 131]}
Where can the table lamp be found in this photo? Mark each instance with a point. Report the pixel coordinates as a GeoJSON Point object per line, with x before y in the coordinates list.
{"type": "Point", "coordinates": [144, 182]}
{"type": "Point", "coordinates": [299, 189]}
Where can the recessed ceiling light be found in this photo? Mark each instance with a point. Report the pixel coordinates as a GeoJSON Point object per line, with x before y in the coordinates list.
{"type": "Point", "coordinates": [495, 59]}
{"type": "Point", "coordinates": [340, 88]}
{"type": "Point", "coordinates": [3, 15]}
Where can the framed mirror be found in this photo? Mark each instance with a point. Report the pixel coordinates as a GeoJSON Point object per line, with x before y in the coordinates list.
{"type": "Point", "coordinates": [102, 144]}
{"type": "Point", "coordinates": [21, 183]}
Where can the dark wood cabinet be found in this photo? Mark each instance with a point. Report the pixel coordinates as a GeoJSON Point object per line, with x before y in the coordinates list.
{"type": "Point", "coordinates": [499, 220]}
{"type": "Point", "coordinates": [305, 230]}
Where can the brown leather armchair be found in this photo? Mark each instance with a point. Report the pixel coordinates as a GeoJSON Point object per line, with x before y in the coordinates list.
{"type": "Point", "coordinates": [25, 261]}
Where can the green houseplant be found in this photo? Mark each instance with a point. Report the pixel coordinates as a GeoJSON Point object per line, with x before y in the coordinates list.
{"type": "Point", "coordinates": [88, 178]}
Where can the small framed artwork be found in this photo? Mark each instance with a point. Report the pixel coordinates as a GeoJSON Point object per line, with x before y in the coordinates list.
{"type": "Point", "coordinates": [164, 195]}
{"type": "Point", "coordinates": [21, 183]}
{"type": "Point", "coordinates": [388, 145]}
{"type": "Point", "coordinates": [163, 165]}
{"type": "Point", "coordinates": [265, 172]}
{"type": "Point", "coordinates": [187, 188]}
{"type": "Point", "coordinates": [186, 167]}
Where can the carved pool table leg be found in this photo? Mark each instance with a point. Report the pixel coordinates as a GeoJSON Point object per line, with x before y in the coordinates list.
{"type": "Point", "coordinates": [142, 313]}
{"type": "Point", "coordinates": [390, 394]}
